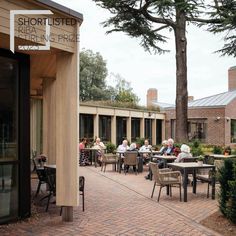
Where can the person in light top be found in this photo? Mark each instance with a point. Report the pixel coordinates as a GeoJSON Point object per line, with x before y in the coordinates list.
{"type": "Point", "coordinates": [146, 146]}
{"type": "Point", "coordinates": [100, 149]}
{"type": "Point", "coordinates": [185, 153]}
{"type": "Point", "coordinates": [123, 147]}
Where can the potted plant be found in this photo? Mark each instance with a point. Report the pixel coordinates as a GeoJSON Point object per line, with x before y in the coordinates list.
{"type": "Point", "coordinates": [200, 160]}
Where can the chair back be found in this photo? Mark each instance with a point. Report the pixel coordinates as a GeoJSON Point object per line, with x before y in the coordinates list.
{"type": "Point", "coordinates": [155, 171]}
{"type": "Point", "coordinates": [51, 179]}
{"type": "Point", "coordinates": [81, 183]}
{"type": "Point", "coordinates": [130, 158]}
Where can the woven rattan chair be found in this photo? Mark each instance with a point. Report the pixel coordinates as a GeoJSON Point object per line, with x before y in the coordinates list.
{"type": "Point", "coordinates": [165, 178]}
{"type": "Point", "coordinates": [130, 159]}
{"type": "Point", "coordinates": [205, 176]}
{"type": "Point", "coordinates": [108, 159]}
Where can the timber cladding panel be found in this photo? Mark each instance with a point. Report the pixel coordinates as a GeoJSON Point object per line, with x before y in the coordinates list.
{"type": "Point", "coordinates": [63, 37]}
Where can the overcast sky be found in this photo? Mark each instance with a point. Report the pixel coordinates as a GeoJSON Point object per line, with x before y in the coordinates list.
{"type": "Point", "coordinates": [207, 71]}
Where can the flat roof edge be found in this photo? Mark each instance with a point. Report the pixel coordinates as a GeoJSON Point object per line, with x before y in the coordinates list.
{"type": "Point", "coordinates": [61, 8]}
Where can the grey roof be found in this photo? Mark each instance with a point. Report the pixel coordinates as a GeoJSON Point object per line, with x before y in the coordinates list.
{"type": "Point", "coordinates": [163, 105]}
{"type": "Point", "coordinates": [61, 8]}
{"type": "Point", "coordinates": [217, 100]}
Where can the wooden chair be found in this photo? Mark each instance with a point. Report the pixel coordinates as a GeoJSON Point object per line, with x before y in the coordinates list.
{"type": "Point", "coordinates": [130, 159]}
{"type": "Point", "coordinates": [165, 178]}
{"type": "Point", "coordinates": [206, 177]}
{"type": "Point", "coordinates": [108, 159]}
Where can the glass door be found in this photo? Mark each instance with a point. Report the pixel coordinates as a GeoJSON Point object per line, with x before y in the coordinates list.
{"type": "Point", "coordinates": [14, 136]}
{"type": "Point", "coordinates": [8, 138]}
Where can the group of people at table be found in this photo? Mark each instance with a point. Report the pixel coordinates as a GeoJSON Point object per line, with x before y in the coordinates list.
{"type": "Point", "coordinates": [168, 148]}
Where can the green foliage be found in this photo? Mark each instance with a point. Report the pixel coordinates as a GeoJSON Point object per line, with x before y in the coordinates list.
{"type": "Point", "coordinates": [217, 149]}
{"type": "Point", "coordinates": [227, 194]}
{"type": "Point", "coordinates": [93, 73]}
{"type": "Point", "coordinates": [201, 158]}
{"type": "Point", "coordinates": [139, 142]}
{"type": "Point", "coordinates": [110, 147]}
{"type": "Point", "coordinates": [124, 92]}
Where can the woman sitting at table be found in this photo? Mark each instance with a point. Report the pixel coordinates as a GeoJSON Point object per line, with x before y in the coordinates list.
{"type": "Point", "coordinates": [84, 155]}
{"type": "Point", "coordinates": [185, 153]}
{"type": "Point", "coordinates": [100, 149]}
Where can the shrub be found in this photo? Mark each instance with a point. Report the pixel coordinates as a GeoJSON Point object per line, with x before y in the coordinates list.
{"type": "Point", "coordinates": [196, 151]}
{"type": "Point", "coordinates": [139, 142]}
{"type": "Point", "coordinates": [217, 150]}
{"type": "Point", "coordinates": [227, 193]}
{"type": "Point", "coordinates": [110, 147]}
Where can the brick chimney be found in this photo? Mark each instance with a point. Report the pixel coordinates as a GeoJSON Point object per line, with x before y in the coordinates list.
{"type": "Point", "coordinates": [151, 96]}
{"type": "Point", "coordinates": [232, 78]}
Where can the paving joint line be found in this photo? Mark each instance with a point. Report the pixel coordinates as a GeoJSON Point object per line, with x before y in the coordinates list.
{"type": "Point", "coordinates": [160, 204]}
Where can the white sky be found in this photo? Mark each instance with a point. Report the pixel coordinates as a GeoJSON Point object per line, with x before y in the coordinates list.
{"type": "Point", "coordinates": [207, 71]}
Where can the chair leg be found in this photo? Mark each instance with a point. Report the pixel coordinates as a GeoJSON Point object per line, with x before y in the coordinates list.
{"type": "Point", "coordinates": [83, 200]}
{"type": "Point", "coordinates": [49, 197]}
{"type": "Point", "coordinates": [170, 190]}
{"type": "Point", "coordinates": [159, 194]}
{"type": "Point", "coordinates": [153, 189]}
{"type": "Point", "coordinates": [61, 210]}
{"type": "Point", "coordinates": [105, 167]}
{"type": "Point", "coordinates": [180, 197]}
{"type": "Point", "coordinates": [208, 187]}
{"type": "Point", "coordinates": [38, 188]}
{"type": "Point", "coordinates": [102, 166]}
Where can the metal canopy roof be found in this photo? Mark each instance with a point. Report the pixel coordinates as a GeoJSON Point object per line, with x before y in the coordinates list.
{"type": "Point", "coordinates": [217, 100]}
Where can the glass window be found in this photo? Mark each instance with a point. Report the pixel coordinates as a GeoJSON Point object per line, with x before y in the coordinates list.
{"type": "Point", "coordinates": [233, 131]}
{"type": "Point", "coordinates": [197, 129]}
{"type": "Point", "coordinates": [105, 128]}
{"type": "Point", "coordinates": [158, 131]}
{"type": "Point", "coordinates": [148, 130]}
{"type": "Point", "coordinates": [121, 129]}
{"type": "Point", "coordinates": [8, 139]}
{"type": "Point", "coordinates": [135, 129]}
{"type": "Point", "coordinates": [86, 126]}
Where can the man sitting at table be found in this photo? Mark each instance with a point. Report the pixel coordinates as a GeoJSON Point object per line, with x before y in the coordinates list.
{"type": "Point", "coordinates": [145, 148]}
{"type": "Point", "coordinates": [185, 153]}
{"type": "Point", "coordinates": [122, 148]}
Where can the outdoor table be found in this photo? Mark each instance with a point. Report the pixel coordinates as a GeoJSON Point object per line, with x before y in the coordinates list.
{"type": "Point", "coordinates": [222, 157]}
{"type": "Point", "coordinates": [188, 167]}
{"type": "Point", "coordinates": [165, 159]}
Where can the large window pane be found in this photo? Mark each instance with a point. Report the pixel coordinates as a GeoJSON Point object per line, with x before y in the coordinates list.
{"type": "Point", "coordinates": [158, 131]}
{"type": "Point", "coordinates": [233, 131]}
{"type": "Point", "coordinates": [86, 126]}
{"type": "Point", "coordinates": [121, 129]}
{"type": "Point", "coordinates": [105, 128]}
{"type": "Point", "coordinates": [148, 130]}
{"type": "Point", "coordinates": [8, 139]}
{"type": "Point", "coordinates": [135, 129]}
{"type": "Point", "coordinates": [197, 129]}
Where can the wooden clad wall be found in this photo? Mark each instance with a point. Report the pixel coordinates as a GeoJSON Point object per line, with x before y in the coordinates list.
{"type": "Point", "coordinates": [56, 31]}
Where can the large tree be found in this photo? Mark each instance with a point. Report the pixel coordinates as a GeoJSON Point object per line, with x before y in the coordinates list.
{"type": "Point", "coordinates": [93, 73]}
{"type": "Point", "coordinates": [146, 19]}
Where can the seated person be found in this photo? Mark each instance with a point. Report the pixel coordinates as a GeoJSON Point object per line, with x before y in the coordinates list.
{"type": "Point", "coordinates": [170, 148]}
{"type": "Point", "coordinates": [84, 155]}
{"type": "Point", "coordinates": [145, 147]}
{"type": "Point", "coordinates": [185, 153]}
{"type": "Point", "coordinates": [132, 148]}
{"type": "Point", "coordinates": [100, 149]}
{"type": "Point", "coordinates": [122, 148]}
{"type": "Point", "coordinates": [166, 149]}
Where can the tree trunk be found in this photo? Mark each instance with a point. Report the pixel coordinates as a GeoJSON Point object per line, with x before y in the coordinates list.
{"type": "Point", "coordinates": [181, 78]}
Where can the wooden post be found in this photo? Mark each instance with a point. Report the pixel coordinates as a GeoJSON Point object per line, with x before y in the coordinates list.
{"type": "Point", "coordinates": [67, 180]}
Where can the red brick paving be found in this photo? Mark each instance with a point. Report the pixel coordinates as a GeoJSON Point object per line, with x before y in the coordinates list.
{"type": "Point", "coordinates": [116, 204]}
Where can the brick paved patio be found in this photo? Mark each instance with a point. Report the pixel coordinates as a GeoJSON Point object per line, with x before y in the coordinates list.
{"type": "Point", "coordinates": [116, 204]}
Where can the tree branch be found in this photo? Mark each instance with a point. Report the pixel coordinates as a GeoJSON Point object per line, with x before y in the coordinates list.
{"type": "Point", "coordinates": [206, 21]}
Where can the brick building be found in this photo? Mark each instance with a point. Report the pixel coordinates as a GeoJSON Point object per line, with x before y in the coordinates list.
{"type": "Point", "coordinates": [211, 119]}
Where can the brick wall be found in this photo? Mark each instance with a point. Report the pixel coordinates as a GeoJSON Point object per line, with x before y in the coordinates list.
{"type": "Point", "coordinates": [215, 131]}
{"type": "Point", "coordinates": [151, 96]}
